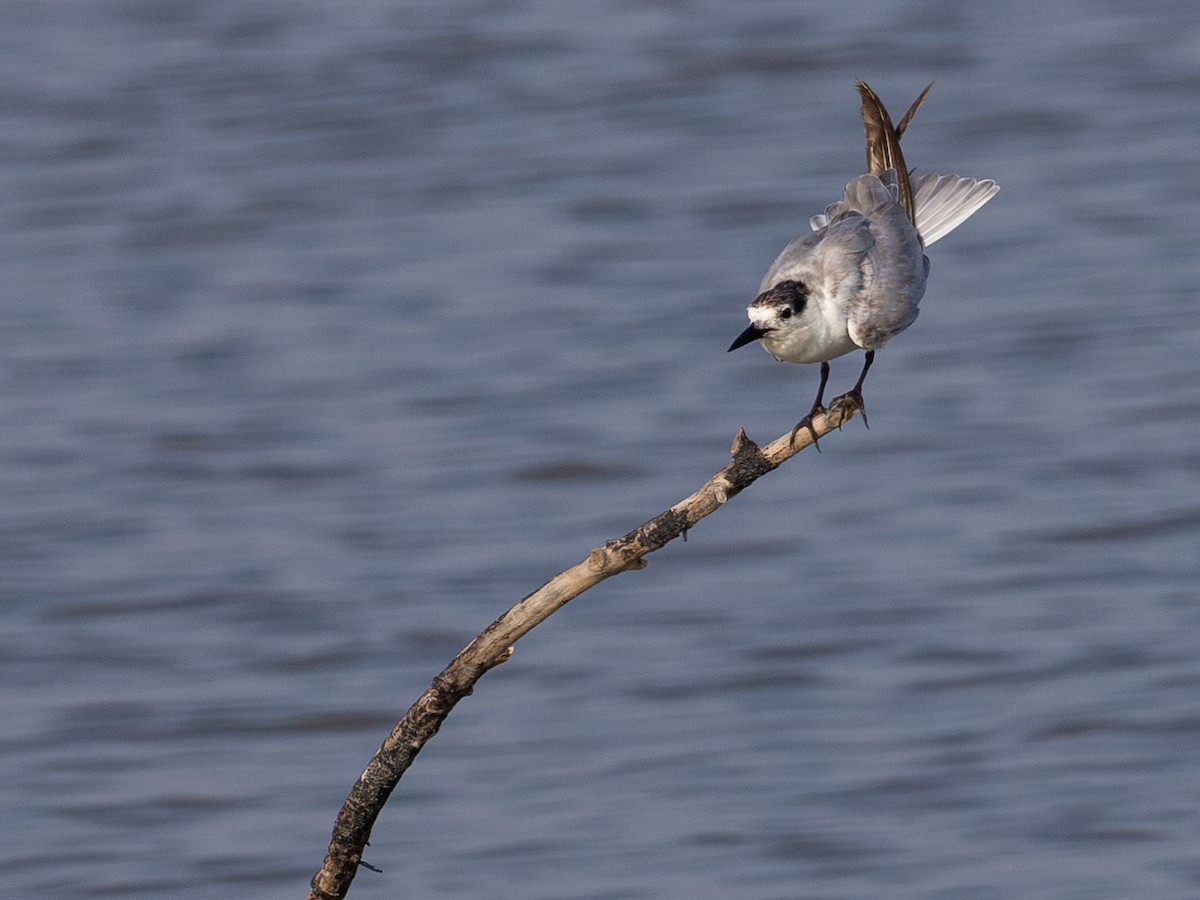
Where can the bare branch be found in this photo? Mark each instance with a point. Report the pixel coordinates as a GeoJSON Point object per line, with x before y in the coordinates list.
{"type": "Point", "coordinates": [492, 647]}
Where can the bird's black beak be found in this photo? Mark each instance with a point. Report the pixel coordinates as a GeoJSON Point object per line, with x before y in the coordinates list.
{"type": "Point", "coordinates": [751, 334]}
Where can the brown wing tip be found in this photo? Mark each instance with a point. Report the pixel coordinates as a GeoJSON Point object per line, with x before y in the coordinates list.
{"type": "Point", "coordinates": [883, 141]}
{"type": "Point", "coordinates": [874, 113]}
{"type": "Point", "coordinates": [912, 110]}
{"type": "Point", "coordinates": [869, 97]}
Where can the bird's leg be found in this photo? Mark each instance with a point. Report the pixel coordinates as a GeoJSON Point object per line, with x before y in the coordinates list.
{"type": "Point", "coordinates": [854, 397]}
{"type": "Point", "coordinates": [817, 407]}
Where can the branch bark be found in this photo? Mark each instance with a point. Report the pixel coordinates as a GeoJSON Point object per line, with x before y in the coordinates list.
{"type": "Point", "coordinates": [494, 645]}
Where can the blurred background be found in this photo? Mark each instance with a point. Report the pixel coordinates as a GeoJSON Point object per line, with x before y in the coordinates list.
{"type": "Point", "coordinates": [330, 330]}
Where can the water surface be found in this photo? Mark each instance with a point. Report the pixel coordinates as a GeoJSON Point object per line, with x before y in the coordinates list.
{"type": "Point", "coordinates": [330, 331]}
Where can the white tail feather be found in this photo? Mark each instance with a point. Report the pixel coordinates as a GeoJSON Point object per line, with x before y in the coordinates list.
{"type": "Point", "coordinates": [943, 202]}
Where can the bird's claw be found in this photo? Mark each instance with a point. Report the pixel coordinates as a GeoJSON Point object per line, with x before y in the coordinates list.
{"type": "Point", "coordinates": [848, 404]}
{"type": "Point", "coordinates": [807, 422]}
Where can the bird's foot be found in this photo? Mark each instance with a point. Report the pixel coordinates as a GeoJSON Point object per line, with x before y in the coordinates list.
{"type": "Point", "coordinates": [807, 422]}
{"type": "Point", "coordinates": [849, 403]}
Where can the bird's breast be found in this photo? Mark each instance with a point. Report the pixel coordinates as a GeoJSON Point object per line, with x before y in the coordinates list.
{"type": "Point", "coordinates": [815, 340]}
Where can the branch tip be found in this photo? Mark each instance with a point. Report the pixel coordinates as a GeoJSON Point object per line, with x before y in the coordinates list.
{"type": "Point", "coordinates": [742, 444]}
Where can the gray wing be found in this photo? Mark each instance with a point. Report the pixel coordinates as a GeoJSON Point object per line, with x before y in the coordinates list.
{"type": "Point", "coordinates": [893, 269]}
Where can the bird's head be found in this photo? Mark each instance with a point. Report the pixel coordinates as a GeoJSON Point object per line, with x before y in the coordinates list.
{"type": "Point", "coordinates": [773, 310]}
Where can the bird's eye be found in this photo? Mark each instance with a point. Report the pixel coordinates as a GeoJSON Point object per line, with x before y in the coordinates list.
{"type": "Point", "coordinates": [785, 313]}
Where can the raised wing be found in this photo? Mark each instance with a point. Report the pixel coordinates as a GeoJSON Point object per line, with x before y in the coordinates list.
{"type": "Point", "coordinates": [912, 111]}
{"type": "Point", "coordinates": [883, 142]}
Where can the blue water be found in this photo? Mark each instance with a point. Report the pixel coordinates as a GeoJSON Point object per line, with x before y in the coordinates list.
{"type": "Point", "coordinates": [331, 330]}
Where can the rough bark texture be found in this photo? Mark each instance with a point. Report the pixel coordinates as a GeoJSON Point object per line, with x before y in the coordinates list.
{"type": "Point", "coordinates": [494, 645]}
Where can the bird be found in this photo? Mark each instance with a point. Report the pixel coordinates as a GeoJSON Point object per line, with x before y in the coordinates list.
{"type": "Point", "coordinates": [856, 281]}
